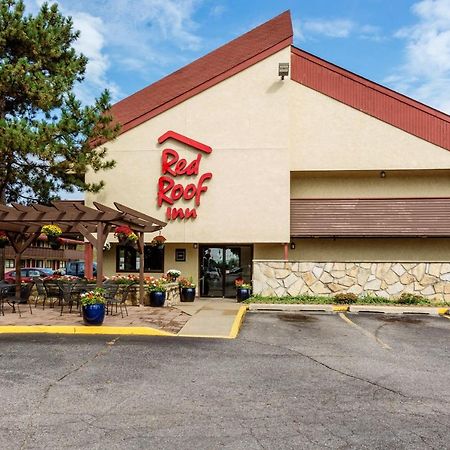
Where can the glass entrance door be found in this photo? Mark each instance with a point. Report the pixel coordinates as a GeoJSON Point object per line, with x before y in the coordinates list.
{"type": "Point", "coordinates": [220, 266]}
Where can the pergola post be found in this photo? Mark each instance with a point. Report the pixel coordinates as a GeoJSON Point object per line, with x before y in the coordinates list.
{"type": "Point", "coordinates": [141, 267]}
{"type": "Point", "coordinates": [88, 260]}
{"type": "Point", "coordinates": [17, 259]}
{"type": "Point", "coordinates": [19, 248]}
{"type": "Point", "coordinates": [100, 233]}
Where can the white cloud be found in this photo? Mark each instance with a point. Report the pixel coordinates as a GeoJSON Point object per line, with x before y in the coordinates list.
{"type": "Point", "coordinates": [335, 28]}
{"type": "Point", "coordinates": [217, 10]}
{"type": "Point", "coordinates": [425, 73]}
{"type": "Point", "coordinates": [140, 36]}
{"type": "Point", "coordinates": [91, 44]}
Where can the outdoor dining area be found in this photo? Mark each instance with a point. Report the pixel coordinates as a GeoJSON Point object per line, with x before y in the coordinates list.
{"type": "Point", "coordinates": [63, 293]}
{"type": "Point", "coordinates": [21, 225]}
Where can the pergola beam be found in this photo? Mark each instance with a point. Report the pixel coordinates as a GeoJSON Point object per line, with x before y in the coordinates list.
{"type": "Point", "coordinates": [23, 225]}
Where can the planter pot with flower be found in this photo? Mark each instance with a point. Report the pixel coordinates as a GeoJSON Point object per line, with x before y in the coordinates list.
{"type": "Point", "coordinates": [53, 233]}
{"type": "Point", "coordinates": [126, 236]}
{"type": "Point", "coordinates": [173, 274]}
{"type": "Point", "coordinates": [243, 290]}
{"type": "Point", "coordinates": [187, 290]}
{"type": "Point", "coordinates": [4, 241]}
{"type": "Point", "coordinates": [93, 306]}
{"type": "Point", "coordinates": [157, 291]}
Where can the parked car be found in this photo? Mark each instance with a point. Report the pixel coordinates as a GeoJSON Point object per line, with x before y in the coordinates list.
{"type": "Point", "coordinates": [76, 269]}
{"type": "Point", "coordinates": [27, 274]}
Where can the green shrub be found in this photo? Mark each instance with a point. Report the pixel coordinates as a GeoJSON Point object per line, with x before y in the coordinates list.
{"type": "Point", "coordinates": [411, 299]}
{"type": "Point", "coordinates": [345, 298]}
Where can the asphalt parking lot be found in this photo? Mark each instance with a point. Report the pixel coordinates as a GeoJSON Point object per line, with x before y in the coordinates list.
{"type": "Point", "coordinates": [289, 380]}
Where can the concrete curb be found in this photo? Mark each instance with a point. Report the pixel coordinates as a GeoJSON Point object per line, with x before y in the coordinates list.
{"type": "Point", "coordinates": [381, 309]}
{"type": "Point", "coordinates": [288, 307]}
{"type": "Point", "coordinates": [123, 331]}
{"type": "Point", "coordinates": [67, 329]}
{"type": "Point", "coordinates": [238, 321]}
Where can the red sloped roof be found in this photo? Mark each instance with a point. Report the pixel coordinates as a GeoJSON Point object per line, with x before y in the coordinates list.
{"type": "Point", "coordinates": [205, 72]}
{"type": "Point", "coordinates": [371, 98]}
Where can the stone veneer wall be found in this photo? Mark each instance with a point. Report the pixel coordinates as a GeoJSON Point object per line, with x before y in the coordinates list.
{"type": "Point", "coordinates": [172, 295]}
{"type": "Point", "coordinates": [386, 279]}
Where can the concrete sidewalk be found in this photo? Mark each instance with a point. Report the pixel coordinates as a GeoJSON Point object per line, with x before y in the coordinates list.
{"type": "Point", "coordinates": [216, 317]}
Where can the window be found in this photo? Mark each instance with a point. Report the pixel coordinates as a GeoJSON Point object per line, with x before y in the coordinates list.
{"type": "Point", "coordinates": [9, 264]}
{"type": "Point", "coordinates": [180, 254]}
{"type": "Point", "coordinates": [127, 259]}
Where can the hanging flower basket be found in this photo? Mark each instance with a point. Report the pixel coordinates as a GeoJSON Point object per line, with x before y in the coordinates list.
{"type": "Point", "coordinates": [55, 243]}
{"type": "Point", "coordinates": [126, 236]}
{"type": "Point", "coordinates": [4, 241]}
{"type": "Point", "coordinates": [158, 241]}
{"type": "Point", "coordinates": [51, 231]}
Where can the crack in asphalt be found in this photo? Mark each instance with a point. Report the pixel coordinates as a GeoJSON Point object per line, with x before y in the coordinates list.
{"type": "Point", "coordinates": [346, 374]}
{"type": "Point", "coordinates": [99, 353]}
{"type": "Point", "coordinates": [46, 392]}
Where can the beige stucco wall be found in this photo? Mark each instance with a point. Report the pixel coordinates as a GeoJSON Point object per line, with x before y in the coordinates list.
{"type": "Point", "coordinates": [328, 135]}
{"type": "Point", "coordinates": [268, 251]}
{"type": "Point", "coordinates": [415, 250]}
{"type": "Point", "coordinates": [370, 184]}
{"type": "Point", "coordinates": [245, 120]}
{"type": "Point", "coordinates": [189, 268]}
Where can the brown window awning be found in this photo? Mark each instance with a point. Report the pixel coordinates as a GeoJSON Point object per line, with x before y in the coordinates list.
{"type": "Point", "coordinates": [380, 217]}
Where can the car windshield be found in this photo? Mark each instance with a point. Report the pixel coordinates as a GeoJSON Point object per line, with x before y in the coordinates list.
{"type": "Point", "coordinates": [47, 271]}
{"type": "Point", "coordinates": [34, 273]}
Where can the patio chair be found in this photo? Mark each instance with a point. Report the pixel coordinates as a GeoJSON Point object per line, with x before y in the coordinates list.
{"type": "Point", "coordinates": [5, 289]}
{"type": "Point", "coordinates": [52, 292]}
{"type": "Point", "coordinates": [9, 296]}
{"type": "Point", "coordinates": [110, 292]}
{"type": "Point", "coordinates": [70, 294]}
{"type": "Point", "coordinates": [41, 293]}
{"type": "Point", "coordinates": [120, 299]}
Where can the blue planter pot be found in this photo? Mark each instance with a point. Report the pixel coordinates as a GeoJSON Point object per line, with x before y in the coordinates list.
{"type": "Point", "coordinates": [243, 294]}
{"type": "Point", "coordinates": [187, 294]}
{"type": "Point", "coordinates": [157, 298]}
{"type": "Point", "coordinates": [94, 314]}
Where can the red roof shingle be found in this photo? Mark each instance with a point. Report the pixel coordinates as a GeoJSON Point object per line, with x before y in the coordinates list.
{"type": "Point", "coordinates": [205, 72]}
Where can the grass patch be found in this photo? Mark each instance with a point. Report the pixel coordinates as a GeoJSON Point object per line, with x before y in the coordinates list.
{"type": "Point", "coordinates": [404, 299]}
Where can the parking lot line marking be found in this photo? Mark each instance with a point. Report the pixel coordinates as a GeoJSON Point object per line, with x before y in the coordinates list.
{"type": "Point", "coordinates": [364, 331]}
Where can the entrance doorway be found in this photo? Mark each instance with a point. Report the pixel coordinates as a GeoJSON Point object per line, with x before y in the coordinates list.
{"type": "Point", "coordinates": [220, 265]}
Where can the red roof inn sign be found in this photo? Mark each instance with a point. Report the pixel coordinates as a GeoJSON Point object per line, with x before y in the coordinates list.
{"type": "Point", "coordinates": [173, 167]}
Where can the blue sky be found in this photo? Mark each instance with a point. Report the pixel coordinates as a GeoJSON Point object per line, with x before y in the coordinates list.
{"type": "Point", "coordinates": [404, 44]}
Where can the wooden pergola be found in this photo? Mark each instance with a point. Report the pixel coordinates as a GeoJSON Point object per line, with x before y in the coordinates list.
{"type": "Point", "coordinates": [23, 224]}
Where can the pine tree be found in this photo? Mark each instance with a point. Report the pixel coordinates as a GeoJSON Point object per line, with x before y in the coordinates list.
{"type": "Point", "coordinates": [48, 139]}
{"type": "Point", "coordinates": [47, 136]}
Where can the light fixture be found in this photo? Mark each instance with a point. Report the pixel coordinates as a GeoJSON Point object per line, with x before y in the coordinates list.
{"type": "Point", "coordinates": [283, 70]}
{"type": "Point", "coordinates": [382, 174]}
{"type": "Point", "coordinates": [292, 245]}
{"type": "Point", "coordinates": [195, 245]}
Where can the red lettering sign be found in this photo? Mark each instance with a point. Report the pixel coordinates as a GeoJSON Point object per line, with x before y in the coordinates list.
{"type": "Point", "coordinates": [172, 166]}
